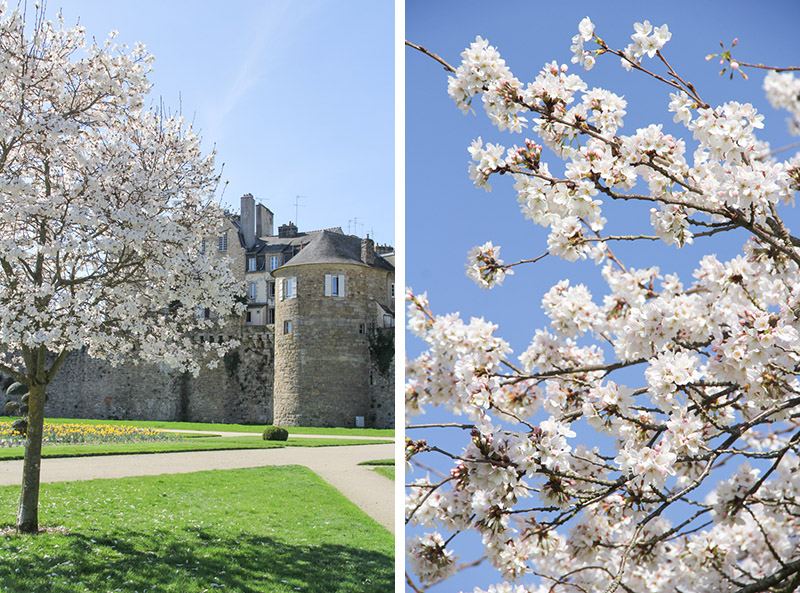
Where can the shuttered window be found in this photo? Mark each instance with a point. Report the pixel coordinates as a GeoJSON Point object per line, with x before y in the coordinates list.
{"type": "Point", "coordinates": [287, 288]}
{"type": "Point", "coordinates": [334, 285]}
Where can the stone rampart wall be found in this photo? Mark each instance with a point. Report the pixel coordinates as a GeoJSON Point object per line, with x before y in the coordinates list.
{"type": "Point", "coordinates": [382, 408]}
{"type": "Point", "coordinates": [239, 390]}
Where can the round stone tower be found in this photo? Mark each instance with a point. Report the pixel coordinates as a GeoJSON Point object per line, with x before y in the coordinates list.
{"type": "Point", "coordinates": [328, 297]}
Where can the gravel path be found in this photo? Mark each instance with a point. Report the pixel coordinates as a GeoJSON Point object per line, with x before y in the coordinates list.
{"type": "Point", "coordinates": [338, 466]}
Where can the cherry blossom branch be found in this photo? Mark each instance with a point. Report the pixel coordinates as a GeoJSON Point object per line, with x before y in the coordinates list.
{"type": "Point", "coordinates": [687, 85]}
{"type": "Point", "coordinates": [412, 585]}
{"type": "Point", "coordinates": [776, 578]}
{"type": "Point", "coordinates": [606, 368]}
{"type": "Point", "coordinates": [621, 238]}
{"type": "Point", "coordinates": [735, 216]}
{"type": "Point", "coordinates": [674, 84]}
{"type": "Point", "coordinates": [441, 425]}
{"type": "Point", "coordinates": [697, 403]}
{"type": "Point", "coordinates": [757, 485]}
{"type": "Point", "coordinates": [432, 488]}
{"type": "Point", "coordinates": [447, 66]}
{"type": "Point", "coordinates": [771, 548]}
{"type": "Point", "coordinates": [527, 261]}
{"type": "Point", "coordinates": [764, 67]}
{"type": "Point", "coordinates": [780, 150]}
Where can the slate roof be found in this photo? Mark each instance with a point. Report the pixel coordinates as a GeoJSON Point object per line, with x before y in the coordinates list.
{"type": "Point", "coordinates": [328, 247]}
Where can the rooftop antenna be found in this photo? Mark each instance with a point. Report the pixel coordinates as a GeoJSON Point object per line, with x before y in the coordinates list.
{"type": "Point", "coordinates": [296, 206]}
{"type": "Point", "coordinates": [355, 225]}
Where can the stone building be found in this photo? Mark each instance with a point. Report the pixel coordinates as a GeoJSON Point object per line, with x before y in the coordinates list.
{"type": "Point", "coordinates": [325, 294]}
{"type": "Point", "coordinates": [331, 296]}
{"type": "Point", "coordinates": [317, 302]}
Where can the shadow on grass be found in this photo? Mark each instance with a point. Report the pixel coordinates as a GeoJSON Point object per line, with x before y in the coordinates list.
{"type": "Point", "coordinates": [193, 560]}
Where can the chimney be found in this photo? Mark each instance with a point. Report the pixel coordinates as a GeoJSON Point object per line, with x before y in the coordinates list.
{"type": "Point", "coordinates": [264, 218]}
{"type": "Point", "coordinates": [287, 230]}
{"type": "Point", "coordinates": [247, 221]}
{"type": "Point", "coordinates": [368, 251]}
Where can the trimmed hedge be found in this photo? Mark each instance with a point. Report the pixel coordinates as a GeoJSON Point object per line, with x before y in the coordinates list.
{"type": "Point", "coordinates": [275, 433]}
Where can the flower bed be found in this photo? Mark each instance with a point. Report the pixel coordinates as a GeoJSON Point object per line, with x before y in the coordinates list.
{"type": "Point", "coordinates": [63, 434]}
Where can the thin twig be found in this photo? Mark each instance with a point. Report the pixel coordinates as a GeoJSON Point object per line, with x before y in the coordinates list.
{"type": "Point", "coordinates": [447, 66]}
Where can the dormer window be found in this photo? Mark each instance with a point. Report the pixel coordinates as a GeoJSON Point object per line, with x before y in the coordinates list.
{"type": "Point", "coordinates": [251, 264]}
{"type": "Point", "coordinates": [274, 262]}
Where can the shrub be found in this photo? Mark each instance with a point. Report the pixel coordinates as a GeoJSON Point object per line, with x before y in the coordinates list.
{"type": "Point", "coordinates": [275, 433]}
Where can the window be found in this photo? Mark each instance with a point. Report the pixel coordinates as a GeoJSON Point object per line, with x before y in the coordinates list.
{"type": "Point", "coordinates": [223, 242]}
{"type": "Point", "coordinates": [288, 288]}
{"type": "Point", "coordinates": [362, 328]}
{"type": "Point", "coordinates": [274, 262]}
{"type": "Point", "coordinates": [249, 317]}
{"type": "Point", "coordinates": [271, 290]}
{"type": "Point", "coordinates": [388, 321]}
{"type": "Point", "coordinates": [203, 246]}
{"type": "Point", "coordinates": [252, 291]}
{"type": "Point", "coordinates": [251, 264]}
{"type": "Point", "coordinates": [287, 326]}
{"type": "Point", "coordinates": [334, 285]}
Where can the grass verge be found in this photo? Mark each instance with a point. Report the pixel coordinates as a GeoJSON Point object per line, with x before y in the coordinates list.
{"type": "Point", "coordinates": [187, 444]}
{"type": "Point", "coordinates": [254, 428]}
{"type": "Point", "coordinates": [384, 467]}
{"type": "Point", "coordinates": [276, 529]}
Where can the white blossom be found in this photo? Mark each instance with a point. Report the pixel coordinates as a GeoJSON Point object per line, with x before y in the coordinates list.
{"type": "Point", "coordinates": [485, 267]}
{"type": "Point", "coordinates": [675, 373]}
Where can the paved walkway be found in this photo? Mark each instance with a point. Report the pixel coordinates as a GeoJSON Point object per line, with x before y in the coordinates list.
{"type": "Point", "coordinates": [224, 433]}
{"type": "Point", "coordinates": [338, 466]}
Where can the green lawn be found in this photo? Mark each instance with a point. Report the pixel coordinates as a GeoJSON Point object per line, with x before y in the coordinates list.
{"type": "Point", "coordinates": [272, 529]}
{"type": "Point", "coordinates": [254, 428]}
{"type": "Point", "coordinates": [384, 467]}
{"type": "Point", "coordinates": [185, 444]}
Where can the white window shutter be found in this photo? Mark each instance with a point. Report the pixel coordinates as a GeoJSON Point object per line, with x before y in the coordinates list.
{"type": "Point", "coordinates": [327, 285]}
{"type": "Point", "coordinates": [341, 285]}
{"type": "Point", "coordinates": [280, 288]}
{"type": "Point", "coordinates": [294, 286]}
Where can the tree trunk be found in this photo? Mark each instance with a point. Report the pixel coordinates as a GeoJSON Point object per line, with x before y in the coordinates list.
{"type": "Point", "coordinates": [28, 514]}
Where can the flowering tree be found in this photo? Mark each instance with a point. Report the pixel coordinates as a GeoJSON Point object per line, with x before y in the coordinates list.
{"type": "Point", "coordinates": [691, 481]}
{"type": "Point", "coordinates": [104, 204]}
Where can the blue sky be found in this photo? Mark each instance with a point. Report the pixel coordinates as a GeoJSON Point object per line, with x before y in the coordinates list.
{"type": "Point", "coordinates": [297, 97]}
{"type": "Point", "coordinates": [445, 215]}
